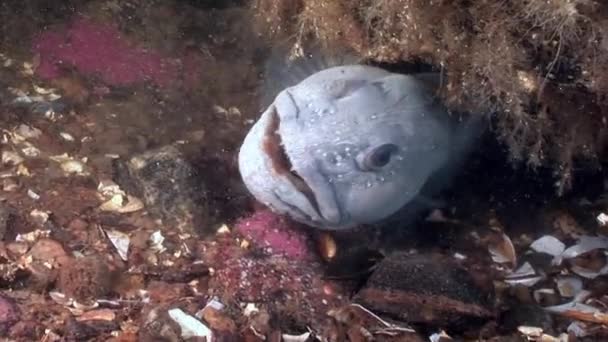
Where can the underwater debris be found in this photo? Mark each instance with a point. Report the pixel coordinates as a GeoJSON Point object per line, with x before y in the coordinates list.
{"type": "Point", "coordinates": [170, 187]}
{"type": "Point", "coordinates": [190, 326]}
{"type": "Point", "coordinates": [426, 289]}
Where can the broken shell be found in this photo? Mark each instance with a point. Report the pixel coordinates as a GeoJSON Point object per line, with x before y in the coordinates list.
{"type": "Point", "coordinates": [33, 195]}
{"type": "Point", "coordinates": [120, 241]}
{"type": "Point", "coordinates": [223, 229]}
{"type": "Point", "coordinates": [524, 275]}
{"type": "Point", "coordinates": [61, 298]}
{"type": "Point", "coordinates": [502, 250]}
{"type": "Point", "coordinates": [585, 244]}
{"type": "Point", "coordinates": [117, 204]}
{"type": "Point", "coordinates": [580, 311]}
{"type": "Point", "coordinates": [190, 326]}
{"type": "Point", "coordinates": [97, 315]}
{"type": "Point", "coordinates": [549, 245]}
{"type": "Point", "coordinates": [569, 286]}
{"type": "Point", "coordinates": [66, 136]}
{"type": "Point", "coordinates": [11, 158]}
{"type": "Point", "coordinates": [31, 151]}
{"type": "Point", "coordinates": [156, 241]}
{"type": "Point", "coordinates": [73, 166]}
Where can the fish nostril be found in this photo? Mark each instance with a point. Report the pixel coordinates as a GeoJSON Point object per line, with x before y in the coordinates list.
{"type": "Point", "coordinates": [281, 164]}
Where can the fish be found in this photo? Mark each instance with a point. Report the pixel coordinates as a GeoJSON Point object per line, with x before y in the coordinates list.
{"type": "Point", "coordinates": [353, 145]}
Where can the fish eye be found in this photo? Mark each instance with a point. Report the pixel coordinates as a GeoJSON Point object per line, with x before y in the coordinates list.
{"type": "Point", "coordinates": [377, 157]}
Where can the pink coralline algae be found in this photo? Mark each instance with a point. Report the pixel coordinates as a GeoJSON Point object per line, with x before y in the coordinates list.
{"type": "Point", "coordinates": [100, 50]}
{"type": "Point", "coordinates": [268, 230]}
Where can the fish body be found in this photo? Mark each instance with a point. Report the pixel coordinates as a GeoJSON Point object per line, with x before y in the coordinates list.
{"type": "Point", "coordinates": [351, 145]}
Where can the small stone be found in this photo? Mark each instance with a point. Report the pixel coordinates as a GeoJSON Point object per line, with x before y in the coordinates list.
{"type": "Point", "coordinates": [163, 292]}
{"type": "Point", "coordinates": [85, 278]}
{"type": "Point", "coordinates": [218, 320]}
{"type": "Point", "coordinates": [170, 187]}
{"type": "Point", "coordinates": [49, 251]}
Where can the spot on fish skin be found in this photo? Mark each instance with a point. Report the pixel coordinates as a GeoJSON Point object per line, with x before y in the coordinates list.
{"type": "Point", "coordinates": [368, 184]}
{"type": "Point", "coordinates": [373, 117]}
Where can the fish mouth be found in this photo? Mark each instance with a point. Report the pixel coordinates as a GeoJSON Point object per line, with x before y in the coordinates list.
{"type": "Point", "coordinates": [281, 164]}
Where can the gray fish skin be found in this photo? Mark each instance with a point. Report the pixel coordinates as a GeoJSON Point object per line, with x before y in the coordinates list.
{"type": "Point", "coordinates": [351, 145]}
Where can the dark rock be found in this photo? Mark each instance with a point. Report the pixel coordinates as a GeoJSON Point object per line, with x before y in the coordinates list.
{"type": "Point", "coordinates": [9, 314]}
{"type": "Point", "coordinates": [428, 290]}
{"type": "Point", "coordinates": [85, 278]}
{"type": "Point", "coordinates": [169, 186]}
{"type": "Point", "coordinates": [5, 218]}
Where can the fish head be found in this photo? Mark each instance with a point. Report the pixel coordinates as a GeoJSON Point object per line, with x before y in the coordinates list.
{"type": "Point", "coordinates": [347, 146]}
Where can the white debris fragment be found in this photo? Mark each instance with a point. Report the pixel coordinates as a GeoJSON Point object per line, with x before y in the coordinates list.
{"type": "Point", "coordinates": [540, 294]}
{"type": "Point", "coordinates": [32, 236]}
{"type": "Point", "coordinates": [549, 245]}
{"type": "Point", "coordinates": [43, 91]}
{"type": "Point", "coordinates": [66, 136]}
{"type": "Point", "coordinates": [296, 338]}
{"type": "Point", "coordinates": [39, 216]}
{"type": "Point", "coordinates": [602, 219]}
{"type": "Point", "coordinates": [11, 158]}
{"type": "Point", "coordinates": [156, 241]}
{"type": "Point", "coordinates": [118, 204]}
{"type": "Point", "coordinates": [120, 241]}
{"type": "Point", "coordinates": [190, 326]}
{"type": "Point", "coordinates": [569, 286]}
{"type": "Point", "coordinates": [250, 309]}
{"type": "Point", "coordinates": [70, 165]}
{"type": "Point", "coordinates": [441, 336]}
{"type": "Point", "coordinates": [73, 166]}
{"type": "Point", "coordinates": [531, 333]}
{"type": "Point", "coordinates": [30, 151]}
{"type": "Point", "coordinates": [215, 304]}
{"type": "Point", "coordinates": [108, 188]}
{"type": "Point", "coordinates": [525, 275]}
{"type": "Point", "coordinates": [33, 195]}
{"type": "Point", "coordinates": [459, 256]}
{"type": "Point", "coordinates": [60, 298]}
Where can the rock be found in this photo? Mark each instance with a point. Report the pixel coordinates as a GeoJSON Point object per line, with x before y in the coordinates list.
{"type": "Point", "coordinates": [85, 278]}
{"type": "Point", "coordinates": [218, 320]}
{"type": "Point", "coordinates": [49, 251]}
{"type": "Point", "coordinates": [162, 292]}
{"type": "Point", "coordinates": [169, 186]}
{"type": "Point", "coordinates": [5, 217]}
{"type": "Point", "coordinates": [9, 314]}
{"type": "Point", "coordinates": [428, 290]}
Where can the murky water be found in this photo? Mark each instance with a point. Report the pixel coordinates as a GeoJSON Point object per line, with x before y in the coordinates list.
{"type": "Point", "coordinates": [95, 208]}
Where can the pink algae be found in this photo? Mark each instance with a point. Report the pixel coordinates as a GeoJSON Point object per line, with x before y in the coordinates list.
{"type": "Point", "coordinates": [267, 229]}
{"type": "Point", "coordinates": [101, 50]}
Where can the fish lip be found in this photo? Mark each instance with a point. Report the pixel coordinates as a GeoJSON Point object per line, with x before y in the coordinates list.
{"type": "Point", "coordinates": [304, 177]}
{"type": "Point", "coordinates": [322, 207]}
